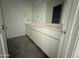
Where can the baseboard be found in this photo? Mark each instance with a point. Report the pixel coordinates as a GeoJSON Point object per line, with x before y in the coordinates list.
{"type": "Point", "coordinates": [6, 56]}
{"type": "Point", "coordinates": [16, 36]}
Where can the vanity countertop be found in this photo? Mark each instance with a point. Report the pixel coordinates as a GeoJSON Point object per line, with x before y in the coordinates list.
{"type": "Point", "coordinates": [56, 27]}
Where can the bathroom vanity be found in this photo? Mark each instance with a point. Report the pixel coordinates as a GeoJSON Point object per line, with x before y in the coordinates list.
{"type": "Point", "coordinates": [47, 38]}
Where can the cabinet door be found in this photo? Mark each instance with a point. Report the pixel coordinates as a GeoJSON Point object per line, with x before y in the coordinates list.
{"type": "Point", "coordinates": [49, 45]}
{"type": "Point", "coordinates": [28, 31]}
{"type": "Point", "coordinates": [36, 37]}
{"type": "Point", "coordinates": [33, 35]}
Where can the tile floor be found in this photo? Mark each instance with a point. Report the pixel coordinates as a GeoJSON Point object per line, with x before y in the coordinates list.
{"type": "Point", "coordinates": [24, 47]}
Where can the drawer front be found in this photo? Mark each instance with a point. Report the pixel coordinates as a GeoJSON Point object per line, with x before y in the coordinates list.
{"type": "Point", "coordinates": [52, 33]}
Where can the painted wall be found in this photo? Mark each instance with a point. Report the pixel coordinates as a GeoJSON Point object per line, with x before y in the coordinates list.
{"type": "Point", "coordinates": [0, 3]}
{"type": "Point", "coordinates": [39, 11]}
{"type": "Point", "coordinates": [16, 12]}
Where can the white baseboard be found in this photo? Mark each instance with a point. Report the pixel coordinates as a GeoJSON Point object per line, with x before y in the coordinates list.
{"type": "Point", "coordinates": [7, 56]}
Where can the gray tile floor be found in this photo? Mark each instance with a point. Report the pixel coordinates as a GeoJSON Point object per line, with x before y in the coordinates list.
{"type": "Point", "coordinates": [23, 47]}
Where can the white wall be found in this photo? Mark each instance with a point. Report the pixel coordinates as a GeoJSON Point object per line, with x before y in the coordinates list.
{"type": "Point", "coordinates": [0, 3]}
{"type": "Point", "coordinates": [16, 12]}
{"type": "Point", "coordinates": [39, 11]}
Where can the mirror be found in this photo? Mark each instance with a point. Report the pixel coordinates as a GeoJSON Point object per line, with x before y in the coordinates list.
{"type": "Point", "coordinates": [47, 11]}
{"type": "Point", "coordinates": [56, 14]}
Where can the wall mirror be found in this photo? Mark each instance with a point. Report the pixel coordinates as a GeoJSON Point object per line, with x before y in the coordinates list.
{"type": "Point", "coordinates": [47, 11]}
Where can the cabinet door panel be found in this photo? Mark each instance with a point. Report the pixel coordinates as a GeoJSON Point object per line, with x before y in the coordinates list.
{"type": "Point", "coordinates": [49, 46]}
{"type": "Point", "coordinates": [36, 38]}
{"type": "Point", "coordinates": [27, 30]}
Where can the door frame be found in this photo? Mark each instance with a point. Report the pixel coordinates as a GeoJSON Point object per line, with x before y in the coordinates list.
{"type": "Point", "coordinates": [1, 36]}
{"type": "Point", "coordinates": [3, 48]}
{"type": "Point", "coordinates": [64, 21]}
{"type": "Point", "coordinates": [74, 24]}
{"type": "Point", "coordinates": [75, 46]}
{"type": "Point", "coordinates": [65, 41]}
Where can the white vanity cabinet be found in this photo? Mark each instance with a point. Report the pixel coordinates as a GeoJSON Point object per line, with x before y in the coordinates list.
{"type": "Point", "coordinates": [34, 35]}
{"type": "Point", "coordinates": [46, 42]}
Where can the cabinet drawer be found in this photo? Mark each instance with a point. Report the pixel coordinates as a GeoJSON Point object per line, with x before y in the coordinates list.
{"type": "Point", "coordinates": [52, 33]}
